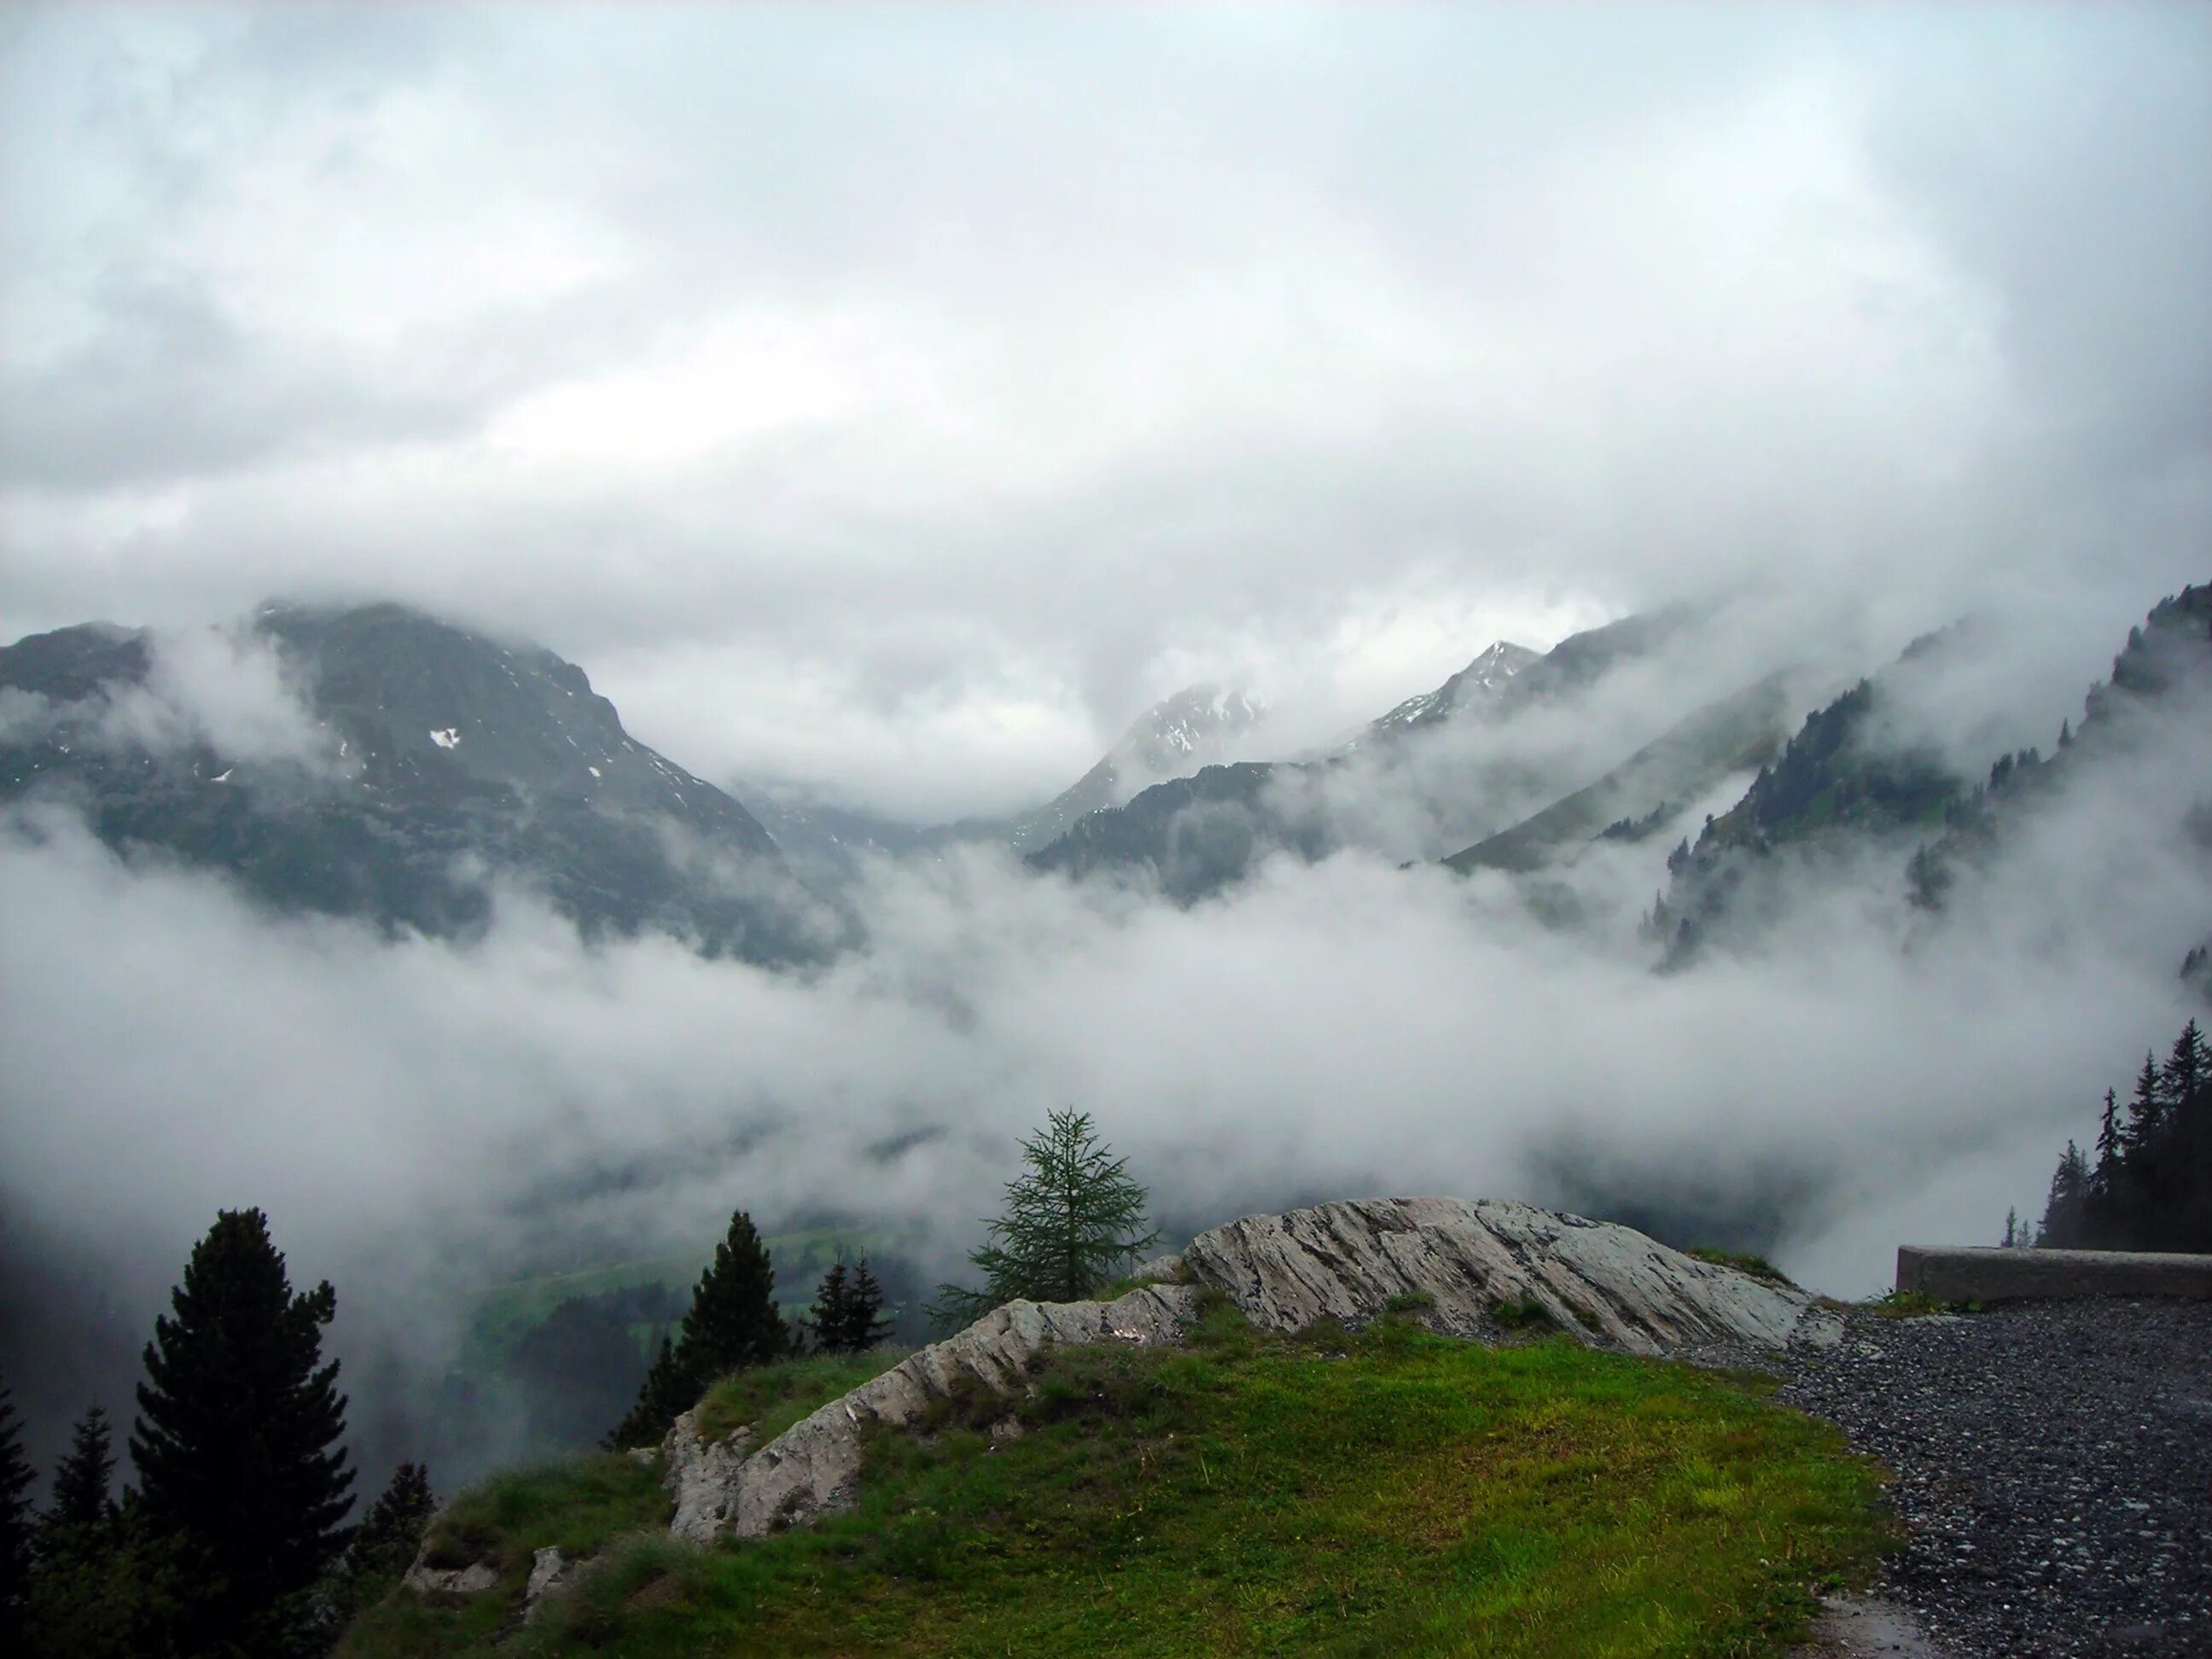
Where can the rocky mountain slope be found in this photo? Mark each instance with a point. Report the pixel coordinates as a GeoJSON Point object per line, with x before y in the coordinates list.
{"type": "Point", "coordinates": [1479, 684]}
{"type": "Point", "coordinates": [1198, 726]}
{"type": "Point", "coordinates": [391, 767]}
{"type": "Point", "coordinates": [1649, 789]}
{"type": "Point", "coordinates": [1848, 785]}
{"type": "Point", "coordinates": [1199, 836]}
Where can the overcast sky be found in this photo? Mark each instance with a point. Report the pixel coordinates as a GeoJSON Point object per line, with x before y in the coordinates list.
{"type": "Point", "coordinates": [900, 399]}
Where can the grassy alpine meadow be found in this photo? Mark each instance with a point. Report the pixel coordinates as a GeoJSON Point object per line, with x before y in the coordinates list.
{"type": "Point", "coordinates": [1387, 1492]}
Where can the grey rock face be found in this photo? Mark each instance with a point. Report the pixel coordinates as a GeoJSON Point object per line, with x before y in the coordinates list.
{"type": "Point", "coordinates": [1167, 1269]}
{"type": "Point", "coordinates": [549, 1570]}
{"type": "Point", "coordinates": [1465, 1260]}
{"type": "Point", "coordinates": [814, 1465]}
{"type": "Point", "coordinates": [473, 1580]}
{"type": "Point", "coordinates": [1458, 1261]}
{"type": "Point", "coordinates": [704, 1474]}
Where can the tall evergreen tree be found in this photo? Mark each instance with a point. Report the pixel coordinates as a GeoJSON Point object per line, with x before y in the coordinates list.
{"type": "Point", "coordinates": [237, 1443]}
{"type": "Point", "coordinates": [866, 1324]}
{"type": "Point", "coordinates": [2187, 1067]}
{"type": "Point", "coordinates": [2151, 1187]}
{"type": "Point", "coordinates": [832, 1309]}
{"type": "Point", "coordinates": [733, 1322]}
{"type": "Point", "coordinates": [2065, 1213]}
{"type": "Point", "coordinates": [2146, 1106]}
{"type": "Point", "coordinates": [83, 1479]}
{"type": "Point", "coordinates": [1073, 1219]}
{"type": "Point", "coordinates": [15, 1532]}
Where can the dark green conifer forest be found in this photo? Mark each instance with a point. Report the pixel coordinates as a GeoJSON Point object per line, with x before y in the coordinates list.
{"type": "Point", "coordinates": [2150, 1185]}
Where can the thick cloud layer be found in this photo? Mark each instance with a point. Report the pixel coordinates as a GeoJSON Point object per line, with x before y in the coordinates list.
{"type": "Point", "coordinates": [899, 403]}
{"type": "Point", "coordinates": [894, 403]}
{"type": "Point", "coordinates": [422, 1119]}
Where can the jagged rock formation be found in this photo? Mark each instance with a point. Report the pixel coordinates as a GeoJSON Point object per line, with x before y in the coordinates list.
{"type": "Point", "coordinates": [1468, 1267]}
{"type": "Point", "coordinates": [1200, 834]}
{"type": "Point", "coordinates": [1463, 1261]}
{"type": "Point", "coordinates": [815, 1464]}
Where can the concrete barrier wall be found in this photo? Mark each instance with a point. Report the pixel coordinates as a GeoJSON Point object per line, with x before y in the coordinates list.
{"type": "Point", "coordinates": [1963, 1273]}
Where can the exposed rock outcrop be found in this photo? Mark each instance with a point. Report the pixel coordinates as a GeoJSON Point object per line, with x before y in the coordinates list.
{"type": "Point", "coordinates": [1461, 1262]}
{"type": "Point", "coordinates": [814, 1465]}
{"type": "Point", "coordinates": [474, 1579]}
{"type": "Point", "coordinates": [1467, 1268]}
{"type": "Point", "coordinates": [549, 1570]}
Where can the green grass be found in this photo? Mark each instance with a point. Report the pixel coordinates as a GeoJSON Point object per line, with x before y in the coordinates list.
{"type": "Point", "coordinates": [1744, 1261]}
{"type": "Point", "coordinates": [579, 1504]}
{"type": "Point", "coordinates": [774, 1397]}
{"type": "Point", "coordinates": [1385, 1492]}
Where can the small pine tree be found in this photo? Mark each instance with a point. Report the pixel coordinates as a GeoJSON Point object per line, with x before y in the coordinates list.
{"type": "Point", "coordinates": [16, 1533]}
{"type": "Point", "coordinates": [667, 1392]}
{"type": "Point", "coordinates": [1070, 1223]}
{"type": "Point", "coordinates": [832, 1310]}
{"type": "Point", "coordinates": [866, 1324]}
{"type": "Point", "coordinates": [389, 1539]}
{"type": "Point", "coordinates": [80, 1503]}
{"type": "Point", "coordinates": [237, 1445]}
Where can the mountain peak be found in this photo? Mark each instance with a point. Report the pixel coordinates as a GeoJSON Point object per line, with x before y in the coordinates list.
{"type": "Point", "coordinates": [1481, 680]}
{"type": "Point", "coordinates": [1165, 739]}
{"type": "Point", "coordinates": [1195, 727]}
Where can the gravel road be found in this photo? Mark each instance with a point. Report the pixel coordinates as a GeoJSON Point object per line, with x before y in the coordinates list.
{"type": "Point", "coordinates": [2054, 1464]}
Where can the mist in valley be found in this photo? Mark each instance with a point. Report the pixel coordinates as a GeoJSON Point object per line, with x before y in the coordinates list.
{"type": "Point", "coordinates": [1315, 389]}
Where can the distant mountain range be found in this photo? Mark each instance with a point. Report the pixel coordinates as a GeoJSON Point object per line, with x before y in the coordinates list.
{"type": "Point", "coordinates": [430, 765]}
{"type": "Point", "coordinates": [1200, 834]}
{"type": "Point", "coordinates": [436, 763]}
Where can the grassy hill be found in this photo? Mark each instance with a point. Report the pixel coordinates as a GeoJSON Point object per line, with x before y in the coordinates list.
{"type": "Point", "coordinates": [1387, 1492]}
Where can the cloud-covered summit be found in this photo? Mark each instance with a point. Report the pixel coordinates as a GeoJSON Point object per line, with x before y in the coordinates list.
{"type": "Point", "coordinates": [901, 404]}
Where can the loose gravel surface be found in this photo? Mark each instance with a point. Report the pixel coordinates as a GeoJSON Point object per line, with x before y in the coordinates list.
{"type": "Point", "coordinates": [2054, 1471]}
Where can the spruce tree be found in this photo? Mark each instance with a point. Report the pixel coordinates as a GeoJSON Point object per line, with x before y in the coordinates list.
{"type": "Point", "coordinates": [667, 1392]}
{"type": "Point", "coordinates": [16, 1533]}
{"type": "Point", "coordinates": [2066, 1211]}
{"type": "Point", "coordinates": [237, 1443]}
{"type": "Point", "coordinates": [388, 1540]}
{"type": "Point", "coordinates": [832, 1310]}
{"type": "Point", "coordinates": [1071, 1222]}
{"type": "Point", "coordinates": [2186, 1068]}
{"type": "Point", "coordinates": [866, 1325]}
{"type": "Point", "coordinates": [81, 1504]}
{"type": "Point", "coordinates": [733, 1322]}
